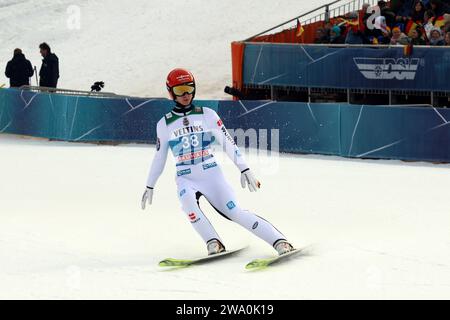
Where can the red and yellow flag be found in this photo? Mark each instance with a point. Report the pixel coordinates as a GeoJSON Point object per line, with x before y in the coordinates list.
{"type": "Point", "coordinates": [440, 22]}
{"type": "Point", "coordinates": [299, 30]}
{"type": "Point", "coordinates": [411, 25]}
{"type": "Point", "coordinates": [408, 50]}
{"type": "Point", "coordinates": [355, 25]}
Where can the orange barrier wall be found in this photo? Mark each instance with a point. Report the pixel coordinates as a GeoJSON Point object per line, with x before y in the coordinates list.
{"type": "Point", "coordinates": [237, 61]}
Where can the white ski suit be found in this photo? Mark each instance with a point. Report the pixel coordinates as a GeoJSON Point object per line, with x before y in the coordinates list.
{"type": "Point", "coordinates": [189, 133]}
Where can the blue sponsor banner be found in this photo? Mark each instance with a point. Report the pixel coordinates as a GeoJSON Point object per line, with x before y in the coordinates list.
{"type": "Point", "coordinates": [388, 132]}
{"type": "Point", "coordinates": [80, 118]}
{"type": "Point", "coordinates": [427, 69]}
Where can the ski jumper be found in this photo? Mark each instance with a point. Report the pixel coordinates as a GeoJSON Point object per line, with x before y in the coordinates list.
{"type": "Point", "coordinates": [189, 133]}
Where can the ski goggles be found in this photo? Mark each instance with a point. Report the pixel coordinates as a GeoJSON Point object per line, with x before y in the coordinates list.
{"type": "Point", "coordinates": [182, 89]}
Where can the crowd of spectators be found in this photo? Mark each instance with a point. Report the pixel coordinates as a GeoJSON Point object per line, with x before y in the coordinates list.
{"type": "Point", "coordinates": [400, 22]}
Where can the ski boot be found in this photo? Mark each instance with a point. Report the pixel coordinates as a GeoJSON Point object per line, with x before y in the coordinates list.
{"type": "Point", "coordinates": [214, 246]}
{"type": "Point", "coordinates": [283, 247]}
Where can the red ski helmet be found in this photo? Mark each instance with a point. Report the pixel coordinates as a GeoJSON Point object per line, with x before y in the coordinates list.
{"type": "Point", "coordinates": [180, 78]}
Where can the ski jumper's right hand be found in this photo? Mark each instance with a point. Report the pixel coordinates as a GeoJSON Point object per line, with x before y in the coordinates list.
{"type": "Point", "coordinates": [147, 196]}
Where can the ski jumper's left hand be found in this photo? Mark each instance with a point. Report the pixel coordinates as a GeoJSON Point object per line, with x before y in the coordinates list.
{"type": "Point", "coordinates": [248, 179]}
{"type": "Point", "coordinates": [147, 197]}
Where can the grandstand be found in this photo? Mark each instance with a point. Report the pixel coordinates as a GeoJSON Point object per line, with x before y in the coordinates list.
{"type": "Point", "coordinates": [376, 60]}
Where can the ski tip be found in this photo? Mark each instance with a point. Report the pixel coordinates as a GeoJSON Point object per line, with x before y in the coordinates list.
{"type": "Point", "coordinates": [257, 264]}
{"type": "Point", "coordinates": [170, 262]}
{"type": "Point", "coordinates": [249, 266]}
{"type": "Point", "coordinates": [163, 263]}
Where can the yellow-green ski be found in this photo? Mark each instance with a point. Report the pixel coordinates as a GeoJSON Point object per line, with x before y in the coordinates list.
{"type": "Point", "coordinates": [171, 262]}
{"type": "Point", "coordinates": [264, 263]}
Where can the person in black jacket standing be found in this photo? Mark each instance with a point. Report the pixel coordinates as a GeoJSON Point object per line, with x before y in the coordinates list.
{"type": "Point", "coordinates": [19, 70]}
{"type": "Point", "coordinates": [49, 73]}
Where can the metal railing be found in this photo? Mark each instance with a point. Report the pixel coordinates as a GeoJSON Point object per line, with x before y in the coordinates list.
{"type": "Point", "coordinates": [352, 6]}
{"type": "Point", "coordinates": [328, 11]}
{"type": "Point", "coordinates": [347, 45]}
{"type": "Point", "coordinates": [72, 92]}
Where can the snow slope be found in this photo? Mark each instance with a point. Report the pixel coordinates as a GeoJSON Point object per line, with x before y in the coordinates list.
{"type": "Point", "coordinates": [71, 227]}
{"type": "Point", "coordinates": [133, 45]}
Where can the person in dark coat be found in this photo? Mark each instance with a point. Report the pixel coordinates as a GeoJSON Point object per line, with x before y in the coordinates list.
{"type": "Point", "coordinates": [439, 7]}
{"type": "Point", "coordinates": [335, 36]}
{"type": "Point", "coordinates": [387, 12]}
{"type": "Point", "coordinates": [447, 39]}
{"type": "Point", "coordinates": [416, 37]}
{"type": "Point", "coordinates": [418, 12]}
{"type": "Point", "coordinates": [49, 73]}
{"type": "Point", "coordinates": [19, 70]}
{"type": "Point", "coordinates": [321, 36]}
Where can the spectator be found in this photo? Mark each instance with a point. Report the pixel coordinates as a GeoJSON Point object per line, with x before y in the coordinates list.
{"type": "Point", "coordinates": [416, 38]}
{"type": "Point", "coordinates": [19, 70]}
{"type": "Point", "coordinates": [335, 35]}
{"type": "Point", "coordinates": [365, 7]}
{"type": "Point", "coordinates": [385, 37]}
{"type": "Point", "coordinates": [439, 7]}
{"type": "Point", "coordinates": [446, 26]}
{"type": "Point", "coordinates": [436, 38]}
{"type": "Point", "coordinates": [428, 19]}
{"type": "Point", "coordinates": [321, 36]}
{"type": "Point", "coordinates": [397, 5]}
{"type": "Point", "coordinates": [49, 72]}
{"type": "Point", "coordinates": [405, 11]}
{"type": "Point", "coordinates": [398, 37]}
{"type": "Point", "coordinates": [354, 35]}
{"type": "Point", "coordinates": [327, 28]}
{"type": "Point", "coordinates": [387, 12]}
{"type": "Point", "coordinates": [366, 12]}
{"type": "Point", "coordinates": [447, 39]}
{"type": "Point", "coordinates": [418, 12]}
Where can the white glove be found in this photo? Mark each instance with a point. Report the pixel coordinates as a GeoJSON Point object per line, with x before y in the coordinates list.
{"type": "Point", "coordinates": [247, 178]}
{"type": "Point", "coordinates": [147, 196]}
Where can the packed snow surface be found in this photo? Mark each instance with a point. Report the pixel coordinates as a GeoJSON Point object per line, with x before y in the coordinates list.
{"type": "Point", "coordinates": [71, 226]}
